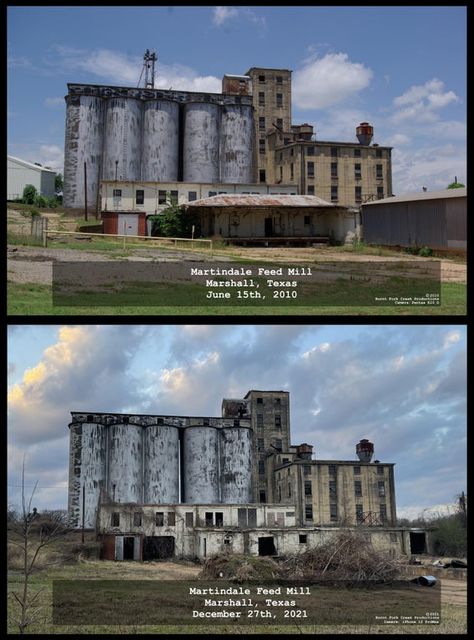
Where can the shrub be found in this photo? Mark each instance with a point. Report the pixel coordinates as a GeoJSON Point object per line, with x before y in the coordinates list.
{"type": "Point", "coordinates": [29, 194]}
{"type": "Point", "coordinates": [52, 202]}
{"type": "Point", "coordinates": [40, 201]}
{"type": "Point", "coordinates": [450, 536]}
{"type": "Point", "coordinates": [426, 252]}
{"type": "Point", "coordinates": [175, 223]}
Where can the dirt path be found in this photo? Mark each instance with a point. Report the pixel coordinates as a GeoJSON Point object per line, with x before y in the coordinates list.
{"type": "Point", "coordinates": [453, 592]}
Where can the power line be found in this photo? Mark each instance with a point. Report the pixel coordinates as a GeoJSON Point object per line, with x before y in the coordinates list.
{"type": "Point", "coordinates": [19, 486]}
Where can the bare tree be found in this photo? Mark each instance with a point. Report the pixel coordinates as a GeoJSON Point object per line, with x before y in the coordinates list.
{"type": "Point", "coordinates": [31, 532]}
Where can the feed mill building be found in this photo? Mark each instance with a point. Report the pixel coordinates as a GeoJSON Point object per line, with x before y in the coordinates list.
{"type": "Point", "coordinates": [126, 143]}
{"type": "Point", "coordinates": [156, 486]}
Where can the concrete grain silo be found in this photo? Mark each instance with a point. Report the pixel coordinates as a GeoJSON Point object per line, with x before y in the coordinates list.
{"type": "Point", "coordinates": [160, 143]}
{"type": "Point", "coordinates": [201, 142]}
{"type": "Point", "coordinates": [201, 465]}
{"type": "Point", "coordinates": [237, 133]}
{"type": "Point", "coordinates": [123, 139]}
{"type": "Point", "coordinates": [160, 464]}
{"type": "Point", "coordinates": [87, 470]}
{"type": "Point", "coordinates": [236, 465]}
{"type": "Point", "coordinates": [125, 470]}
{"type": "Point", "coordinates": [83, 143]}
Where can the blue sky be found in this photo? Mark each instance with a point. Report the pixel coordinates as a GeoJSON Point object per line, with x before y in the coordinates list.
{"type": "Point", "coordinates": [403, 387]}
{"type": "Point", "coordinates": [401, 68]}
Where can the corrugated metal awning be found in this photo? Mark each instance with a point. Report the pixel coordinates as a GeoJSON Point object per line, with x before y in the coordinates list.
{"type": "Point", "coordinates": [241, 200]}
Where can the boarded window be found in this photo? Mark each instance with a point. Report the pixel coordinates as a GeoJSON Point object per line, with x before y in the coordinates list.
{"type": "Point", "coordinates": [242, 517]}
{"type": "Point", "coordinates": [116, 519]}
{"type": "Point", "coordinates": [357, 487]}
{"type": "Point", "coordinates": [171, 519]}
{"type": "Point", "coordinates": [189, 519]}
{"type": "Point", "coordinates": [137, 519]}
{"type": "Point", "coordinates": [159, 518]}
{"type": "Point", "coordinates": [219, 519]}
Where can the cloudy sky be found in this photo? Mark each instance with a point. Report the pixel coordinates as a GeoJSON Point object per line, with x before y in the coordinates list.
{"type": "Point", "coordinates": [403, 387]}
{"type": "Point", "coordinates": [403, 69]}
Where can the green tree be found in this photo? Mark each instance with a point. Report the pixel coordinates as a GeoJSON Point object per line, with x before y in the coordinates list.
{"type": "Point", "coordinates": [29, 194]}
{"type": "Point", "coordinates": [173, 222]}
{"type": "Point", "coordinates": [455, 185]}
{"type": "Point", "coordinates": [58, 183]}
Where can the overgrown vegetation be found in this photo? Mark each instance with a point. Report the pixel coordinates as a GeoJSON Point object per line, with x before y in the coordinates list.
{"type": "Point", "coordinates": [31, 196]}
{"type": "Point", "coordinates": [173, 222]}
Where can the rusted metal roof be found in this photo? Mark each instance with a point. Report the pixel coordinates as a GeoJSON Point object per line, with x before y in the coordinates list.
{"type": "Point", "coordinates": [241, 200]}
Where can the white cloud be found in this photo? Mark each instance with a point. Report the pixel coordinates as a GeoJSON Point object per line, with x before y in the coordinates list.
{"type": "Point", "coordinates": [431, 166]}
{"type": "Point", "coordinates": [224, 14]}
{"type": "Point", "coordinates": [116, 67]}
{"type": "Point", "coordinates": [54, 102]}
{"type": "Point", "coordinates": [420, 102]}
{"type": "Point", "coordinates": [323, 82]}
{"type": "Point", "coordinates": [451, 338]}
{"type": "Point", "coordinates": [398, 140]}
{"type": "Point", "coordinates": [52, 156]}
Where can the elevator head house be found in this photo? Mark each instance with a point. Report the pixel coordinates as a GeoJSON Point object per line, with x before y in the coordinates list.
{"type": "Point", "coordinates": [160, 486]}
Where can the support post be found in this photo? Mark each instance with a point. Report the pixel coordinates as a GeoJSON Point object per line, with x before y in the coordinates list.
{"type": "Point", "coordinates": [85, 191]}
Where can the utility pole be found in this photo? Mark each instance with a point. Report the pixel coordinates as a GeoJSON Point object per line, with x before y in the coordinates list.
{"type": "Point", "coordinates": [85, 191]}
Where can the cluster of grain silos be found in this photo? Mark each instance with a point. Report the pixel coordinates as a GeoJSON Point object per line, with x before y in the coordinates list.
{"type": "Point", "coordinates": [150, 460]}
{"type": "Point", "coordinates": [179, 136]}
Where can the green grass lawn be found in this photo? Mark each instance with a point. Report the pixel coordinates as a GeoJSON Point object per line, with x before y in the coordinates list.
{"type": "Point", "coordinates": [33, 299]}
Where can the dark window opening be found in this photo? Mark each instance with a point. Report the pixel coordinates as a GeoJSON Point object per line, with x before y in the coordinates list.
{"type": "Point", "coordinates": [279, 493]}
{"type": "Point", "coordinates": [359, 512]}
{"type": "Point", "coordinates": [380, 471]}
{"type": "Point", "coordinates": [279, 79]}
{"type": "Point", "coordinates": [158, 547]}
{"type": "Point", "coordinates": [192, 195]}
{"type": "Point", "coordinates": [259, 400]}
{"type": "Point", "coordinates": [140, 196]}
{"type": "Point", "coordinates": [237, 423]}
{"type": "Point", "coordinates": [289, 490]}
{"type": "Point", "coordinates": [137, 519]}
{"type": "Point", "coordinates": [212, 193]}
{"type": "Point", "coordinates": [278, 401]}
{"type": "Point", "coordinates": [307, 219]}
{"type": "Point", "coordinates": [357, 471]}
{"type": "Point", "coordinates": [310, 151]}
{"type": "Point", "coordinates": [358, 487]}
{"type": "Point", "coordinates": [308, 488]}
{"type": "Point", "coordinates": [259, 420]}
{"type": "Point", "coordinates": [310, 169]}
{"type": "Point", "coordinates": [334, 152]}
{"type": "Point", "coordinates": [261, 98]}
{"type": "Point", "coordinates": [219, 519]}
{"type": "Point", "coordinates": [333, 169]}
{"type": "Point", "coordinates": [159, 519]}
{"type": "Point", "coordinates": [209, 519]}
{"type": "Point", "coordinates": [278, 444]}
{"type": "Point", "coordinates": [261, 467]}
{"type": "Point", "coordinates": [189, 516]}
{"type": "Point", "coordinates": [332, 469]}
{"type": "Point", "coordinates": [277, 420]}
{"type": "Point", "coordinates": [383, 512]}
{"type": "Point", "coordinates": [280, 123]}
{"type": "Point", "coordinates": [266, 546]}
{"type": "Point", "coordinates": [279, 99]}
{"type": "Point", "coordinates": [161, 197]}
{"type": "Point", "coordinates": [262, 496]}
{"type": "Point", "coordinates": [292, 153]}
{"type": "Point", "coordinates": [174, 197]}
{"type": "Point", "coordinates": [356, 153]}
{"type": "Point", "coordinates": [358, 171]}
{"type": "Point", "coordinates": [310, 189]}
{"type": "Point", "coordinates": [261, 146]}
{"type": "Point", "coordinates": [303, 538]}
{"type": "Point", "coordinates": [333, 511]}
{"type": "Point", "coordinates": [380, 193]}
{"type": "Point", "coordinates": [291, 172]}
{"type": "Point", "coordinates": [116, 519]}
{"type": "Point", "coordinates": [379, 171]}
{"type": "Point", "coordinates": [262, 175]}
{"type": "Point", "coordinates": [160, 421]}
{"type": "Point", "coordinates": [378, 153]}
{"type": "Point", "coordinates": [334, 196]}
{"type": "Point", "coordinates": [358, 194]}
{"type": "Point", "coordinates": [117, 193]}
{"type": "Point", "coordinates": [381, 488]}
{"type": "Point", "coordinates": [332, 488]}
{"type": "Point", "coordinates": [261, 78]}
{"type": "Point", "coordinates": [308, 512]}
{"type": "Point", "coordinates": [171, 519]}
{"type": "Point", "coordinates": [261, 124]}
{"type": "Point", "coordinates": [260, 444]}
{"type": "Point", "coordinates": [307, 469]}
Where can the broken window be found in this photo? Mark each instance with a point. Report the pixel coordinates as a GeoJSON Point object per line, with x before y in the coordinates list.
{"type": "Point", "coordinates": [261, 124]}
{"type": "Point", "coordinates": [358, 487]}
{"type": "Point", "coordinates": [333, 511]}
{"type": "Point", "coordinates": [332, 469]}
{"type": "Point", "coordinates": [171, 518]}
{"type": "Point", "coordinates": [381, 488]}
{"type": "Point", "coordinates": [308, 512]}
{"type": "Point", "coordinates": [359, 512]}
{"type": "Point", "coordinates": [261, 78]}
{"type": "Point", "coordinates": [333, 169]}
{"type": "Point", "coordinates": [140, 196]}
{"type": "Point", "coordinates": [261, 467]}
{"type": "Point", "coordinates": [219, 519]}
{"type": "Point", "coordinates": [116, 519]}
{"type": "Point", "coordinates": [379, 171]}
{"type": "Point", "coordinates": [161, 197]}
{"type": "Point", "coordinates": [358, 194]}
{"type": "Point", "coordinates": [358, 170]}
{"type": "Point", "coordinates": [189, 518]}
{"type": "Point", "coordinates": [260, 444]}
{"type": "Point", "coordinates": [279, 99]}
{"type": "Point", "coordinates": [209, 519]}
{"type": "Point", "coordinates": [137, 519]}
{"type": "Point", "coordinates": [159, 518]}
{"type": "Point", "coordinates": [303, 537]}
{"type": "Point", "coordinates": [357, 471]}
{"type": "Point", "coordinates": [259, 420]}
{"type": "Point", "coordinates": [334, 196]}
{"type": "Point", "coordinates": [261, 98]}
{"type": "Point", "coordinates": [332, 488]}
{"type": "Point", "coordinates": [278, 421]}
{"type": "Point", "coordinates": [308, 488]}
{"type": "Point", "coordinates": [310, 169]}
{"type": "Point", "coordinates": [383, 512]}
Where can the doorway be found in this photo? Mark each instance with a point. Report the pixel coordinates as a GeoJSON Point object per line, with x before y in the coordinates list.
{"type": "Point", "coordinates": [417, 542]}
{"type": "Point", "coordinates": [128, 546]}
{"type": "Point", "coordinates": [266, 546]}
{"type": "Point", "coordinates": [158, 547]}
{"type": "Point", "coordinates": [268, 227]}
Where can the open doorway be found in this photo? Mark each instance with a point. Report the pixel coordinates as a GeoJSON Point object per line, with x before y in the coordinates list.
{"type": "Point", "coordinates": [268, 227]}
{"type": "Point", "coordinates": [266, 546]}
{"type": "Point", "coordinates": [158, 547]}
{"type": "Point", "coordinates": [417, 542]}
{"type": "Point", "coordinates": [128, 546]}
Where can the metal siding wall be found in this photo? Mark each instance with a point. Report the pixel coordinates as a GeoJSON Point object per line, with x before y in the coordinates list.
{"type": "Point", "coordinates": [456, 219]}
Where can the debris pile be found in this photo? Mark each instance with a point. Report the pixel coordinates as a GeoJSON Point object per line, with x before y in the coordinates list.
{"type": "Point", "coordinates": [240, 568]}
